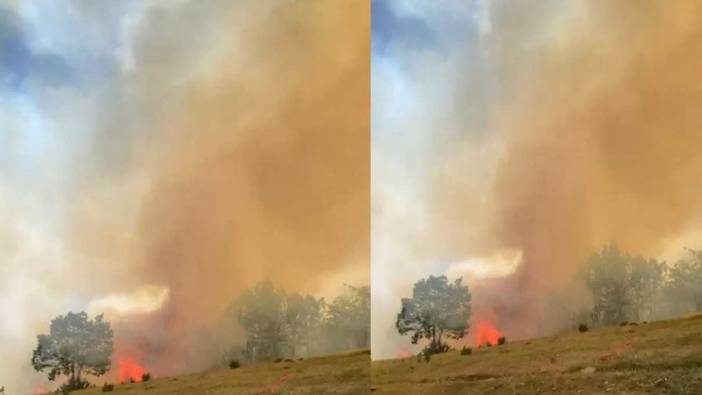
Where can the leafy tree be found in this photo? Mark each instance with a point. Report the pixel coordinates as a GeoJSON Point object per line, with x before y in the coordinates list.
{"type": "Point", "coordinates": [438, 310]}
{"type": "Point", "coordinates": [645, 282]}
{"type": "Point", "coordinates": [74, 346]}
{"type": "Point", "coordinates": [302, 321]}
{"type": "Point", "coordinates": [607, 279]}
{"type": "Point", "coordinates": [348, 318]}
{"type": "Point", "coordinates": [261, 316]}
{"type": "Point", "coordinates": [685, 280]}
{"type": "Point", "coordinates": [624, 287]}
{"type": "Point", "coordinates": [282, 325]}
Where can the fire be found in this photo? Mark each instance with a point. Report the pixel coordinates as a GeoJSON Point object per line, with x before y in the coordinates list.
{"type": "Point", "coordinates": [38, 389]}
{"type": "Point", "coordinates": [486, 332]}
{"type": "Point", "coordinates": [130, 369]}
{"type": "Point", "coordinates": [403, 352]}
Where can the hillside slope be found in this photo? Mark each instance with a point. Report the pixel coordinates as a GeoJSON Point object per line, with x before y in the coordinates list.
{"type": "Point", "coordinates": [346, 373]}
{"type": "Point", "coordinates": [658, 357]}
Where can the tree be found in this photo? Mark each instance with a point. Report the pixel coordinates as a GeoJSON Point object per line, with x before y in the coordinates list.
{"type": "Point", "coordinates": [302, 321]}
{"type": "Point", "coordinates": [348, 318]}
{"type": "Point", "coordinates": [607, 279]}
{"type": "Point", "coordinates": [261, 316]}
{"type": "Point", "coordinates": [74, 346]}
{"type": "Point", "coordinates": [623, 287]}
{"type": "Point", "coordinates": [645, 282]}
{"type": "Point", "coordinates": [438, 310]}
{"type": "Point", "coordinates": [685, 280]}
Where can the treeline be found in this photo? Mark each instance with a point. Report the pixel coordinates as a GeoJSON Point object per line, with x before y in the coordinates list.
{"type": "Point", "coordinates": [629, 288]}
{"type": "Point", "coordinates": [280, 325]}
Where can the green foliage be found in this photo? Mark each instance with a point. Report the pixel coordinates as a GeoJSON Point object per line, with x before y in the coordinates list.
{"type": "Point", "coordinates": [73, 384]}
{"type": "Point", "coordinates": [280, 325]}
{"type": "Point", "coordinates": [261, 315]}
{"type": "Point", "coordinates": [302, 319]}
{"type": "Point", "coordinates": [438, 310]}
{"type": "Point", "coordinates": [348, 318]}
{"type": "Point", "coordinates": [624, 287]}
{"type": "Point", "coordinates": [685, 281]}
{"type": "Point", "coordinates": [466, 350]}
{"type": "Point", "coordinates": [108, 387]}
{"type": "Point", "coordinates": [74, 346]}
{"type": "Point", "coordinates": [145, 377]}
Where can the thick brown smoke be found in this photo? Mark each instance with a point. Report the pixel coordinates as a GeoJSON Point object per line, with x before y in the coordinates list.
{"type": "Point", "coordinates": [258, 167]}
{"type": "Point", "coordinates": [599, 112]}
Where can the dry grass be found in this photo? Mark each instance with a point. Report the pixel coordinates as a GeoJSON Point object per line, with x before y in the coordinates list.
{"type": "Point", "coordinates": [347, 373]}
{"type": "Point", "coordinates": [659, 357]}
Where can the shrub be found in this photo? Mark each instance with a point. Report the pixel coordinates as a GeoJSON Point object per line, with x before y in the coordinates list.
{"type": "Point", "coordinates": [583, 328]}
{"type": "Point", "coordinates": [466, 350]}
{"type": "Point", "coordinates": [624, 323]}
{"type": "Point", "coordinates": [435, 347]}
{"type": "Point", "coordinates": [72, 385]}
{"type": "Point", "coordinates": [108, 387]}
{"type": "Point", "coordinates": [234, 364]}
{"type": "Point", "coordinates": [501, 340]}
{"type": "Point", "coordinates": [145, 377]}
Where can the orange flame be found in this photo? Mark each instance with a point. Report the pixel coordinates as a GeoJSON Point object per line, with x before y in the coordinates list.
{"type": "Point", "coordinates": [402, 352]}
{"type": "Point", "coordinates": [130, 369]}
{"type": "Point", "coordinates": [39, 389]}
{"type": "Point", "coordinates": [486, 332]}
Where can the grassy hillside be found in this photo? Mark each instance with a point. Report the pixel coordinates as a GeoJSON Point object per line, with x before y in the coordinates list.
{"type": "Point", "coordinates": [659, 357]}
{"type": "Point", "coordinates": [346, 373]}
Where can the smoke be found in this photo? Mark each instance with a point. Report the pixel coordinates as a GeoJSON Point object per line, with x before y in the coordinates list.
{"type": "Point", "coordinates": [601, 138]}
{"type": "Point", "coordinates": [590, 134]}
{"type": "Point", "coordinates": [226, 143]}
{"type": "Point", "coordinates": [262, 169]}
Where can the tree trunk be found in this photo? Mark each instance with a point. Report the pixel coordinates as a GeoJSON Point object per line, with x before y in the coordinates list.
{"type": "Point", "coordinates": [698, 302]}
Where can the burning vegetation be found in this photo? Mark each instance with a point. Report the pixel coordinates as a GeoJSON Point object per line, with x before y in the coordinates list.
{"type": "Point", "coordinates": [623, 289]}
{"type": "Point", "coordinates": [129, 370]}
{"type": "Point", "coordinates": [276, 325]}
{"type": "Point", "coordinates": [486, 333]}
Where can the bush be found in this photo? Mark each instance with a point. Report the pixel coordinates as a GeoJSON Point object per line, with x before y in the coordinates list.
{"type": "Point", "coordinates": [234, 364]}
{"type": "Point", "coordinates": [73, 385]}
{"type": "Point", "coordinates": [466, 350]}
{"type": "Point", "coordinates": [145, 377]}
{"type": "Point", "coordinates": [108, 387]}
{"type": "Point", "coordinates": [501, 340]}
{"type": "Point", "coordinates": [624, 323]}
{"type": "Point", "coordinates": [583, 328]}
{"type": "Point", "coordinates": [431, 349]}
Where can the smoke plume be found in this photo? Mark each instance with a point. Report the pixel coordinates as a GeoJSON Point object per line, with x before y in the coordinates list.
{"type": "Point", "coordinates": [230, 144]}
{"type": "Point", "coordinates": [589, 134]}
